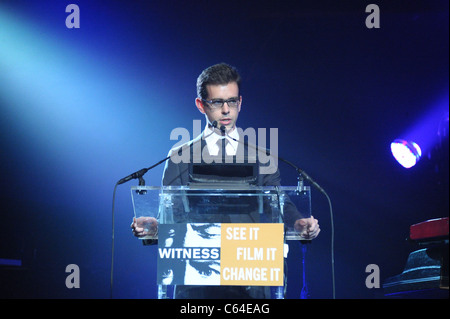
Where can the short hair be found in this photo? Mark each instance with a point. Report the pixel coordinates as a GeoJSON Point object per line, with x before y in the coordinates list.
{"type": "Point", "coordinates": [218, 74]}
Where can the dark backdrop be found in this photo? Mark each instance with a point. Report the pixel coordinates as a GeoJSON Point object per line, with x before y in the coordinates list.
{"type": "Point", "coordinates": [82, 108]}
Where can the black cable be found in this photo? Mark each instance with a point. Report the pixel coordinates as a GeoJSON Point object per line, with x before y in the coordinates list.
{"type": "Point", "coordinates": [332, 245]}
{"type": "Point", "coordinates": [112, 245]}
{"type": "Point", "coordinates": [302, 173]}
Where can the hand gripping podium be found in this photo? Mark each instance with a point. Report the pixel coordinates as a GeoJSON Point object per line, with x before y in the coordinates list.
{"type": "Point", "coordinates": [228, 235]}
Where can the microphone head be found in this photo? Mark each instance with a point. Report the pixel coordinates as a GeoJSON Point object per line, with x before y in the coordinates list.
{"type": "Point", "coordinates": [222, 129]}
{"type": "Point", "coordinates": [214, 124]}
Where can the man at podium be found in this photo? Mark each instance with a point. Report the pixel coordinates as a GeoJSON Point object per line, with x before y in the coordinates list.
{"type": "Point", "coordinates": [219, 99]}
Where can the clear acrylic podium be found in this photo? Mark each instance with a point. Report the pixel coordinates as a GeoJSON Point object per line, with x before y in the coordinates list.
{"type": "Point", "coordinates": [155, 206]}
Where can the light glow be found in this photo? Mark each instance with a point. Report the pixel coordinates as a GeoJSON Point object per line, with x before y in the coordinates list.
{"type": "Point", "coordinates": [406, 153]}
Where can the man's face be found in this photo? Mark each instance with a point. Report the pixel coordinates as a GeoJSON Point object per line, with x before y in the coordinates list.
{"type": "Point", "coordinates": [226, 115]}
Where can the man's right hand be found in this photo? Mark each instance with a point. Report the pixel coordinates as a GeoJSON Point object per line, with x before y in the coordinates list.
{"type": "Point", "coordinates": [144, 226]}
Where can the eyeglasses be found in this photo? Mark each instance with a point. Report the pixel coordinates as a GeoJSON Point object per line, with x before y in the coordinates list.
{"type": "Point", "coordinates": [218, 103]}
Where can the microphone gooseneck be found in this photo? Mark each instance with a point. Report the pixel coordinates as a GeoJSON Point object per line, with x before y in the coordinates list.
{"type": "Point", "coordinates": [140, 173]}
{"type": "Point", "coordinates": [267, 152]}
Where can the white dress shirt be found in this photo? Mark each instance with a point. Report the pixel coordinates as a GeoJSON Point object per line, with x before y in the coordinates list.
{"type": "Point", "coordinates": [211, 138]}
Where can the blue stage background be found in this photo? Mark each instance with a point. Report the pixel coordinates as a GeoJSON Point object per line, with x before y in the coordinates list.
{"type": "Point", "coordinates": [82, 108]}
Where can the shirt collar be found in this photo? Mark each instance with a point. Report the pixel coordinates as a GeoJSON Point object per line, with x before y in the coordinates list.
{"type": "Point", "coordinates": [212, 137]}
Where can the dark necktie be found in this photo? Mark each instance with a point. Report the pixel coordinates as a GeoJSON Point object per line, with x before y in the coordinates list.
{"type": "Point", "coordinates": [222, 143]}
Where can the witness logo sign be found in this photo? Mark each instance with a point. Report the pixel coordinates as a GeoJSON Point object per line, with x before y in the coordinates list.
{"type": "Point", "coordinates": [220, 254]}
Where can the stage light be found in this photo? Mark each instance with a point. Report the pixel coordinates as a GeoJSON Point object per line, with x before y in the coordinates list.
{"type": "Point", "coordinates": [407, 153]}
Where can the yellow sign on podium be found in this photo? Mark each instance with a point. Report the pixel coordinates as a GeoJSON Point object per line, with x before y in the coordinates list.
{"type": "Point", "coordinates": [252, 255]}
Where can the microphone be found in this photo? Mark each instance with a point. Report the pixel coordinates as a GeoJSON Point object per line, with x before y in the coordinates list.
{"type": "Point", "coordinates": [303, 174]}
{"type": "Point", "coordinates": [138, 174]}
{"type": "Point", "coordinates": [142, 172]}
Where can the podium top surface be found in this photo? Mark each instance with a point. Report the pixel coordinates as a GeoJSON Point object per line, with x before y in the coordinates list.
{"type": "Point", "coordinates": [214, 187]}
